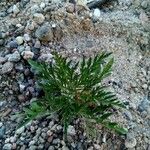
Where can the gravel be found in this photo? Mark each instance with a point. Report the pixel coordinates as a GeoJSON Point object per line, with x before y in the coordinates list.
{"type": "Point", "coordinates": [33, 29]}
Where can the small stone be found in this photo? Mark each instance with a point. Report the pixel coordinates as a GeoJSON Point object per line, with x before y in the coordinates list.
{"type": "Point", "coordinates": [6, 112]}
{"type": "Point", "coordinates": [41, 146]}
{"type": "Point", "coordinates": [32, 142]}
{"type": "Point", "coordinates": [27, 55]}
{"type": "Point", "coordinates": [15, 57]}
{"type": "Point", "coordinates": [32, 147]}
{"type": "Point", "coordinates": [12, 139]}
{"type": "Point", "coordinates": [65, 148]}
{"type": "Point", "coordinates": [38, 18]}
{"type": "Point", "coordinates": [14, 146]}
{"type": "Point", "coordinates": [2, 131]}
{"type": "Point", "coordinates": [7, 140]}
{"type": "Point", "coordinates": [19, 40]}
{"type": "Point", "coordinates": [1, 124]}
{"type": "Point", "coordinates": [46, 57]}
{"type": "Point", "coordinates": [2, 35]}
{"type": "Point", "coordinates": [2, 60]}
{"type": "Point", "coordinates": [97, 147]}
{"type": "Point", "coordinates": [26, 37]}
{"type": "Point", "coordinates": [56, 141]}
{"type": "Point", "coordinates": [144, 4]}
{"type": "Point", "coordinates": [49, 133]}
{"type": "Point", "coordinates": [144, 105]}
{"type": "Point", "coordinates": [19, 67]}
{"type": "Point", "coordinates": [7, 67]}
{"type": "Point", "coordinates": [130, 142]}
{"type": "Point", "coordinates": [21, 87]}
{"type": "Point", "coordinates": [71, 130]}
{"type": "Point", "coordinates": [7, 146]}
{"type": "Point", "coordinates": [51, 148]}
{"type": "Point", "coordinates": [50, 139]}
{"type": "Point", "coordinates": [41, 140]}
{"type": "Point", "coordinates": [20, 130]}
{"type": "Point", "coordinates": [42, 5]}
{"type": "Point", "coordinates": [1, 42]}
{"type": "Point", "coordinates": [12, 44]}
{"type": "Point", "coordinates": [37, 44]}
{"type": "Point", "coordinates": [31, 25]}
{"type": "Point", "coordinates": [144, 86]}
{"type": "Point", "coordinates": [128, 115]}
{"type": "Point", "coordinates": [15, 9]}
{"type": "Point", "coordinates": [96, 13]}
{"type": "Point", "coordinates": [143, 17]}
{"type": "Point", "coordinates": [44, 33]}
{"type": "Point", "coordinates": [70, 8]}
{"type": "Point", "coordinates": [35, 9]}
{"type": "Point", "coordinates": [43, 135]}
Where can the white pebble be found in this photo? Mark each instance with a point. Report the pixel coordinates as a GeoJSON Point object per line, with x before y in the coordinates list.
{"type": "Point", "coordinates": [28, 55]}
{"type": "Point", "coordinates": [71, 130]}
{"type": "Point", "coordinates": [96, 13]}
{"type": "Point", "coordinates": [19, 40]}
{"type": "Point", "coordinates": [15, 9]}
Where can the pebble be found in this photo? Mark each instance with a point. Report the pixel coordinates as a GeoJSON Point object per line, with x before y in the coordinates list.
{"type": "Point", "coordinates": [70, 8]}
{"type": "Point", "coordinates": [26, 37]}
{"type": "Point", "coordinates": [71, 130]}
{"type": "Point", "coordinates": [44, 33]}
{"type": "Point", "coordinates": [19, 67]}
{"type": "Point", "coordinates": [2, 131]}
{"type": "Point", "coordinates": [144, 4]}
{"type": "Point", "coordinates": [65, 148]}
{"type": "Point", "coordinates": [130, 141]}
{"type": "Point", "coordinates": [97, 147]}
{"type": "Point", "coordinates": [1, 124]}
{"type": "Point", "coordinates": [7, 67]}
{"type": "Point", "coordinates": [144, 105]}
{"type": "Point", "coordinates": [15, 57]}
{"type": "Point", "coordinates": [12, 44]}
{"type": "Point", "coordinates": [37, 44]}
{"type": "Point", "coordinates": [32, 147]}
{"type": "Point", "coordinates": [56, 141]}
{"type": "Point", "coordinates": [21, 87]}
{"type": "Point", "coordinates": [42, 5]}
{"type": "Point", "coordinates": [19, 40]}
{"type": "Point", "coordinates": [12, 139]}
{"type": "Point", "coordinates": [2, 60]}
{"type": "Point", "coordinates": [51, 148]}
{"type": "Point", "coordinates": [32, 142]}
{"type": "Point", "coordinates": [7, 146]}
{"type": "Point", "coordinates": [20, 130]}
{"type": "Point", "coordinates": [15, 9]}
{"type": "Point", "coordinates": [38, 18]}
{"type": "Point", "coordinates": [27, 55]}
{"type": "Point", "coordinates": [1, 42]}
{"type": "Point", "coordinates": [35, 9]}
{"type": "Point", "coordinates": [2, 35]}
{"type": "Point", "coordinates": [46, 57]}
{"type": "Point", "coordinates": [96, 13]}
{"type": "Point", "coordinates": [128, 115]}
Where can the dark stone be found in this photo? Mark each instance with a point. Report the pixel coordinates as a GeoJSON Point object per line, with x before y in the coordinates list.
{"type": "Point", "coordinates": [12, 45]}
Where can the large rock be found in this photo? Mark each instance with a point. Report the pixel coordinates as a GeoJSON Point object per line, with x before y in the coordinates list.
{"type": "Point", "coordinates": [44, 33]}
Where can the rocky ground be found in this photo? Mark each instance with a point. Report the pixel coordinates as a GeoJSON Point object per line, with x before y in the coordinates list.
{"type": "Point", "coordinates": [35, 28]}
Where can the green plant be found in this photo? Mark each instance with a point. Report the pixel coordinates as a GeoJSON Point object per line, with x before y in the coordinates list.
{"type": "Point", "coordinates": [76, 90]}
